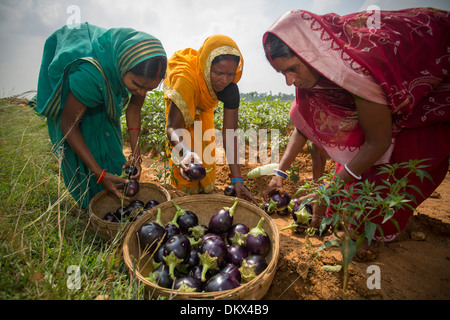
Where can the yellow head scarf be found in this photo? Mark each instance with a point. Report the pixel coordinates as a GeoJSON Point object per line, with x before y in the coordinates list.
{"type": "Point", "coordinates": [188, 85]}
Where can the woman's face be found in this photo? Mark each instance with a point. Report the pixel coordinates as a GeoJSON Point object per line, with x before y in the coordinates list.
{"type": "Point", "coordinates": [296, 72]}
{"type": "Point", "coordinates": [139, 85]}
{"type": "Point", "coordinates": [223, 73]}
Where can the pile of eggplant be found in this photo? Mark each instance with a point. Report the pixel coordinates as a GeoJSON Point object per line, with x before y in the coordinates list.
{"type": "Point", "coordinates": [190, 257]}
{"type": "Point", "coordinates": [130, 212]}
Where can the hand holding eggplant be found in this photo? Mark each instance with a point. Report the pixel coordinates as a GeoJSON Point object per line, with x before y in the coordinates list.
{"type": "Point", "coordinates": [275, 185]}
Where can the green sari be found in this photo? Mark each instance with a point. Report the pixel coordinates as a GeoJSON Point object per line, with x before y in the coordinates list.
{"type": "Point", "coordinates": [90, 62]}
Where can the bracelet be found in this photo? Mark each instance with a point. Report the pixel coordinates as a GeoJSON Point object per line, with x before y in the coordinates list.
{"type": "Point", "coordinates": [101, 176]}
{"type": "Point", "coordinates": [236, 179]}
{"type": "Point", "coordinates": [187, 151]}
{"type": "Point", "coordinates": [135, 156]}
{"type": "Point", "coordinates": [280, 173]}
{"type": "Point", "coordinates": [138, 129]}
{"type": "Point", "coordinates": [351, 173]}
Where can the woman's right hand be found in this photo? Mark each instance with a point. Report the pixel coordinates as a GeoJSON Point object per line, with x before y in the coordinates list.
{"type": "Point", "coordinates": [189, 157]}
{"type": "Point", "coordinates": [115, 185]}
{"type": "Point", "coordinates": [275, 185]}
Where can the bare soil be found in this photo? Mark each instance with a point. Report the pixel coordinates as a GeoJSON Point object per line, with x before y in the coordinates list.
{"type": "Point", "coordinates": [415, 266]}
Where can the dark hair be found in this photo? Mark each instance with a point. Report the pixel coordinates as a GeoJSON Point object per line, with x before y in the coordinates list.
{"type": "Point", "coordinates": [153, 68]}
{"type": "Point", "coordinates": [274, 47]}
{"type": "Point", "coordinates": [225, 57]}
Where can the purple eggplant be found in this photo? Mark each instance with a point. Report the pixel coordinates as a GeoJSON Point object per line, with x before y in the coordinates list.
{"type": "Point", "coordinates": [176, 252]}
{"type": "Point", "coordinates": [235, 254]}
{"type": "Point", "coordinates": [229, 191]}
{"type": "Point", "coordinates": [150, 204]}
{"type": "Point", "coordinates": [266, 207]}
{"type": "Point", "coordinates": [210, 235]}
{"type": "Point", "coordinates": [130, 171]}
{"type": "Point", "coordinates": [162, 277]}
{"type": "Point", "coordinates": [278, 202]}
{"type": "Point", "coordinates": [186, 219]}
{"type": "Point", "coordinates": [193, 258]}
{"type": "Point", "coordinates": [110, 217]}
{"type": "Point", "coordinates": [222, 220]}
{"type": "Point", "coordinates": [233, 270]}
{"type": "Point", "coordinates": [132, 188]}
{"type": "Point", "coordinates": [257, 241]}
{"type": "Point", "coordinates": [251, 267]}
{"type": "Point", "coordinates": [187, 284]}
{"type": "Point", "coordinates": [237, 234]}
{"type": "Point", "coordinates": [212, 255]}
{"type": "Point", "coordinates": [172, 227]}
{"type": "Point", "coordinates": [152, 233]}
{"type": "Point", "coordinates": [122, 212]}
{"type": "Point", "coordinates": [196, 272]}
{"type": "Point", "coordinates": [195, 172]}
{"type": "Point", "coordinates": [220, 282]}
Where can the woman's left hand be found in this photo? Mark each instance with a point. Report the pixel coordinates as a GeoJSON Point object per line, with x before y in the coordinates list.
{"type": "Point", "coordinates": [137, 164]}
{"type": "Point", "coordinates": [242, 192]}
{"type": "Point", "coordinates": [318, 210]}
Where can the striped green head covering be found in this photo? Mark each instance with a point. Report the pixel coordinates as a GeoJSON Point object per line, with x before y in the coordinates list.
{"type": "Point", "coordinates": [113, 52]}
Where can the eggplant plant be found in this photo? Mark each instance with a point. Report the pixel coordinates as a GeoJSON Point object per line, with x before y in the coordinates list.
{"type": "Point", "coordinates": [360, 203]}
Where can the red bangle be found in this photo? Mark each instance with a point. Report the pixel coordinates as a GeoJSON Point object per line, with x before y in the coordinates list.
{"type": "Point", "coordinates": [101, 176]}
{"type": "Point", "coordinates": [129, 129]}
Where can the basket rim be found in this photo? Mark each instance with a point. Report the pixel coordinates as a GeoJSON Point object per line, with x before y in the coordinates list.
{"type": "Point", "coordinates": [271, 267]}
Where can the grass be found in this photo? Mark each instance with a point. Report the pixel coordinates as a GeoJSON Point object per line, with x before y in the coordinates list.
{"type": "Point", "coordinates": [44, 236]}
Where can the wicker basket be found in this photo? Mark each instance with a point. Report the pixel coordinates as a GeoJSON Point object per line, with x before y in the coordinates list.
{"type": "Point", "coordinates": [138, 262]}
{"type": "Point", "coordinates": [105, 202]}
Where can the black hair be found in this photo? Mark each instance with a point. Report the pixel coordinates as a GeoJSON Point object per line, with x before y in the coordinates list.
{"type": "Point", "coordinates": [225, 57]}
{"type": "Point", "coordinates": [274, 47]}
{"type": "Point", "coordinates": [153, 68]}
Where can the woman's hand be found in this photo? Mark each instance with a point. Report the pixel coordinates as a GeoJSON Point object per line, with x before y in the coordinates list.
{"type": "Point", "coordinates": [114, 184]}
{"type": "Point", "coordinates": [137, 164]}
{"type": "Point", "coordinates": [189, 157]}
{"type": "Point", "coordinates": [275, 185]}
{"type": "Point", "coordinates": [242, 192]}
{"type": "Point", "coordinates": [317, 209]}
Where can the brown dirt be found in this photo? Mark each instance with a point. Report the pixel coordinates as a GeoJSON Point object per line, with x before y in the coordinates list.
{"type": "Point", "coordinates": [416, 266]}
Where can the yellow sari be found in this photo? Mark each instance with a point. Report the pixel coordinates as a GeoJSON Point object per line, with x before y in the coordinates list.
{"type": "Point", "coordinates": [188, 85]}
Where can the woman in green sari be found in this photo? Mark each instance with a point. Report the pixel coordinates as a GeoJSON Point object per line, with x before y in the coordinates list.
{"type": "Point", "coordinates": [87, 76]}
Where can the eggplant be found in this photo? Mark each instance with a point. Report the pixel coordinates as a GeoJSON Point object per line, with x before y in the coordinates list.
{"type": "Point", "coordinates": [212, 255]}
{"type": "Point", "coordinates": [257, 241]}
{"type": "Point", "coordinates": [266, 207]}
{"type": "Point", "coordinates": [132, 188]}
{"type": "Point", "coordinates": [122, 212]}
{"type": "Point", "coordinates": [130, 171]}
{"type": "Point", "coordinates": [222, 220]}
{"type": "Point", "coordinates": [220, 282]}
{"type": "Point", "coordinates": [195, 171]}
{"type": "Point", "coordinates": [302, 214]}
{"type": "Point", "coordinates": [150, 204]}
{"type": "Point", "coordinates": [237, 234]}
{"type": "Point", "coordinates": [235, 254]}
{"type": "Point", "coordinates": [186, 219]}
{"type": "Point", "coordinates": [172, 227]}
{"type": "Point", "coordinates": [233, 270]}
{"type": "Point", "coordinates": [229, 191]}
{"type": "Point", "coordinates": [278, 202]}
{"type": "Point", "coordinates": [197, 270]}
{"type": "Point", "coordinates": [161, 276]}
{"type": "Point", "coordinates": [152, 233]}
{"type": "Point", "coordinates": [251, 267]}
{"type": "Point", "coordinates": [210, 235]}
{"type": "Point", "coordinates": [110, 217]}
{"type": "Point", "coordinates": [193, 259]}
{"type": "Point", "coordinates": [176, 251]}
{"type": "Point", "coordinates": [187, 284]}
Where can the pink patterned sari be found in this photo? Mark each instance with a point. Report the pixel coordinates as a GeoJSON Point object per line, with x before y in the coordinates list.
{"type": "Point", "coordinates": [404, 63]}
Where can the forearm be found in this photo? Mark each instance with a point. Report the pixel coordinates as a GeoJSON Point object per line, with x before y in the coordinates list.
{"type": "Point", "coordinates": [133, 118]}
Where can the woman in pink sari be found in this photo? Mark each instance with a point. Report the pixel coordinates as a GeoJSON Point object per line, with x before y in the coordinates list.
{"type": "Point", "coordinates": [367, 96]}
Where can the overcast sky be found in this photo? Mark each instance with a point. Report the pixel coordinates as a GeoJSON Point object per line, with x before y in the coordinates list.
{"type": "Point", "coordinates": [25, 24]}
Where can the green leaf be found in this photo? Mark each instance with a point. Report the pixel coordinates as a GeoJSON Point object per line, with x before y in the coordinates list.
{"type": "Point", "coordinates": [348, 249]}
{"type": "Point", "coordinates": [370, 228]}
{"type": "Point", "coordinates": [330, 243]}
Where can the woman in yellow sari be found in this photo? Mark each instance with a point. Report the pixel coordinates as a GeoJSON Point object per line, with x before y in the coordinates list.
{"type": "Point", "coordinates": [196, 81]}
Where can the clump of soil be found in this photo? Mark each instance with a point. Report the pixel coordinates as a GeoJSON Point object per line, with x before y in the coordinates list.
{"type": "Point", "coordinates": [415, 266]}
